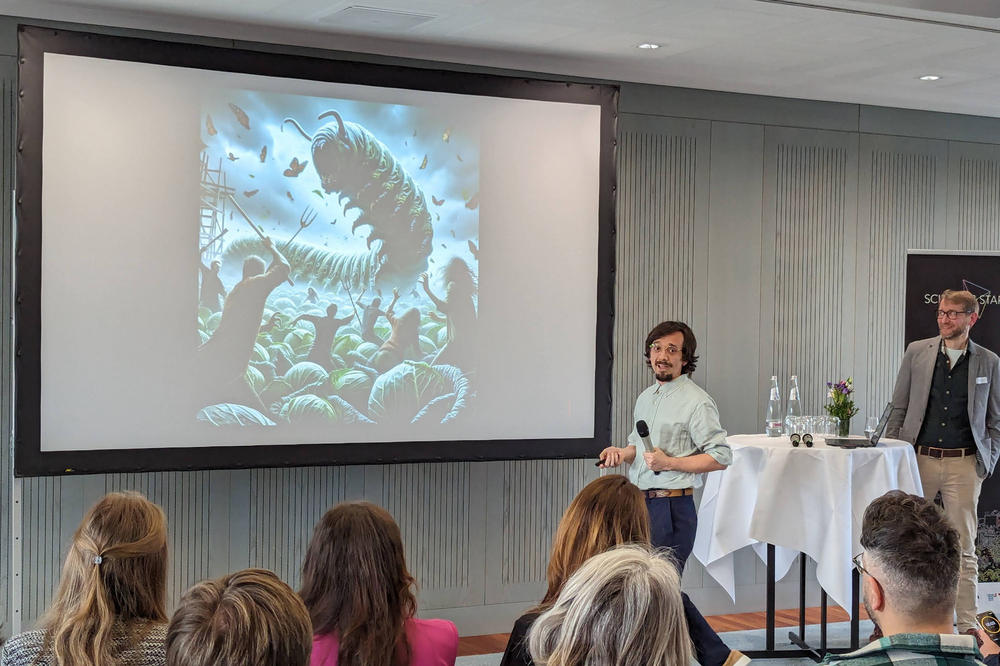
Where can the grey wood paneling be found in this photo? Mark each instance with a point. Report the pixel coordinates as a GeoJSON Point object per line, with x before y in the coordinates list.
{"type": "Point", "coordinates": [808, 261]}
{"type": "Point", "coordinates": [285, 505]}
{"type": "Point", "coordinates": [662, 245]}
{"type": "Point", "coordinates": [902, 185]}
{"type": "Point", "coordinates": [526, 501]}
{"type": "Point", "coordinates": [974, 197]}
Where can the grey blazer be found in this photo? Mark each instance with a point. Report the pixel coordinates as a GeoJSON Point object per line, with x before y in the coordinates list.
{"type": "Point", "coordinates": [913, 387]}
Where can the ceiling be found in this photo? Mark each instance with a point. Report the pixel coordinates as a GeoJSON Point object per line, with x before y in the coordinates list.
{"type": "Point", "coordinates": [870, 52]}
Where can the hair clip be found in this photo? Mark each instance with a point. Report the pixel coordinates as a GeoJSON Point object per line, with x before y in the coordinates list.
{"type": "Point", "coordinates": [807, 439]}
{"type": "Point", "coordinates": [796, 438]}
{"type": "Point", "coordinates": [97, 560]}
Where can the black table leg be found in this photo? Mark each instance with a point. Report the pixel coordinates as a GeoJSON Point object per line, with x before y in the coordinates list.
{"type": "Point", "coordinates": [855, 616]}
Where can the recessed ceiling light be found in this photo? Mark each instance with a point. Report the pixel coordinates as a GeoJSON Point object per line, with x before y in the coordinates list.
{"type": "Point", "coordinates": [648, 45]}
{"type": "Point", "coordinates": [930, 77]}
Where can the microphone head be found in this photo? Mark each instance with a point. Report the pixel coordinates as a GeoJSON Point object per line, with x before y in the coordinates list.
{"type": "Point", "coordinates": [641, 429]}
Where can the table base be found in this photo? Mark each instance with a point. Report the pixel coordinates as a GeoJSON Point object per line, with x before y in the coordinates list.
{"type": "Point", "coordinates": [798, 639]}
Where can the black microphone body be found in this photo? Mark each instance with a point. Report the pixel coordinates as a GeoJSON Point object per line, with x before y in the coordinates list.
{"type": "Point", "coordinates": [642, 430]}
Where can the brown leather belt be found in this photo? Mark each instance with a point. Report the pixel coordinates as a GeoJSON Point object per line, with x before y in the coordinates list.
{"type": "Point", "coordinates": [674, 492]}
{"type": "Point", "coordinates": [935, 452]}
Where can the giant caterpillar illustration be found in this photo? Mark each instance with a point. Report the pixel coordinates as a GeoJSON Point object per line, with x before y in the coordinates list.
{"type": "Point", "coordinates": [352, 162]}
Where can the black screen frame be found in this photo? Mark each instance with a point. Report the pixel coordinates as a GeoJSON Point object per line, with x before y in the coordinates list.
{"type": "Point", "coordinates": [30, 460]}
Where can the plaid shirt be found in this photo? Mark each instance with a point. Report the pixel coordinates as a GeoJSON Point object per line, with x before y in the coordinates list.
{"type": "Point", "coordinates": [913, 650]}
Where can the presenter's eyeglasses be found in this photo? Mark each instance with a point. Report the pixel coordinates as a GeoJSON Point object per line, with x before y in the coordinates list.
{"type": "Point", "coordinates": [670, 349]}
{"type": "Point", "coordinates": [952, 314]}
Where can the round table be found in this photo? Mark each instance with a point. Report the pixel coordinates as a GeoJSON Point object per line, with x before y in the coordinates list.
{"type": "Point", "coordinates": [808, 500]}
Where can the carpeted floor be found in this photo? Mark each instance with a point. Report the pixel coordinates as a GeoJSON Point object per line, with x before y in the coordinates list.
{"type": "Point", "coordinates": [838, 635]}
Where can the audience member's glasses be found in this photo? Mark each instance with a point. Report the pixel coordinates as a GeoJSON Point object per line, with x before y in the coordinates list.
{"type": "Point", "coordinates": [670, 349]}
{"type": "Point", "coordinates": [857, 565]}
{"type": "Point", "coordinates": [951, 314]}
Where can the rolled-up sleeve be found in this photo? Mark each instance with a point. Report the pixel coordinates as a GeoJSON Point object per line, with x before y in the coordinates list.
{"type": "Point", "coordinates": [708, 435]}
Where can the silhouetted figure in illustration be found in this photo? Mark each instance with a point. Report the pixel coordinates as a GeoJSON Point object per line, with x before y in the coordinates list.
{"type": "Point", "coordinates": [326, 330]}
{"type": "Point", "coordinates": [459, 308]}
{"type": "Point", "coordinates": [369, 316]}
{"type": "Point", "coordinates": [403, 342]}
{"type": "Point", "coordinates": [311, 296]}
{"type": "Point", "coordinates": [211, 286]}
{"type": "Point", "coordinates": [223, 359]}
{"type": "Point", "coordinates": [273, 322]}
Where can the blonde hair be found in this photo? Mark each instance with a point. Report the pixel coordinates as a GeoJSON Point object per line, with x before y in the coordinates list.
{"type": "Point", "coordinates": [608, 512]}
{"type": "Point", "coordinates": [964, 298]}
{"type": "Point", "coordinates": [115, 572]}
{"type": "Point", "coordinates": [250, 618]}
{"type": "Point", "coordinates": [620, 608]}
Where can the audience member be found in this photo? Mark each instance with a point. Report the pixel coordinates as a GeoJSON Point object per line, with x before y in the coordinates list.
{"type": "Point", "coordinates": [621, 607]}
{"type": "Point", "coordinates": [110, 607]}
{"type": "Point", "coordinates": [608, 512]}
{"type": "Point", "coordinates": [910, 568]}
{"type": "Point", "coordinates": [249, 618]}
{"type": "Point", "coordinates": [360, 597]}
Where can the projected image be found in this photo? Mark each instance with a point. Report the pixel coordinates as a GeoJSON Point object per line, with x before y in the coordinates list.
{"type": "Point", "coordinates": [339, 262]}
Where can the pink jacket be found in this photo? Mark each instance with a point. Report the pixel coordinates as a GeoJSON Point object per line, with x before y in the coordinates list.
{"type": "Point", "coordinates": [432, 643]}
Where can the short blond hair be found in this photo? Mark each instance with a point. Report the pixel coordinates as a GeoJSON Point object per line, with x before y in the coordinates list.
{"type": "Point", "coordinates": [250, 618]}
{"type": "Point", "coordinates": [621, 607]}
{"type": "Point", "coordinates": [964, 298]}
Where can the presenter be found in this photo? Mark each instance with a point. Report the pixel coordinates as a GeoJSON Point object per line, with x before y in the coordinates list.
{"type": "Point", "coordinates": [684, 428]}
{"type": "Point", "coordinates": [947, 404]}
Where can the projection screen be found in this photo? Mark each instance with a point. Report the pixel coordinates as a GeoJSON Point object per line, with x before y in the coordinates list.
{"type": "Point", "coordinates": [230, 258]}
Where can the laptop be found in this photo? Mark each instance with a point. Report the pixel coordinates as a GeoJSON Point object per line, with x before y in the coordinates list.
{"type": "Point", "coordinates": [857, 441]}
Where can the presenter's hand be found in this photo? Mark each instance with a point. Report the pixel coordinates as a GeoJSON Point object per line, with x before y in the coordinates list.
{"type": "Point", "coordinates": [658, 461]}
{"type": "Point", "coordinates": [611, 457]}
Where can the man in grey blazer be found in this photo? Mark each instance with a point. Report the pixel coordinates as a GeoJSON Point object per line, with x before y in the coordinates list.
{"type": "Point", "coordinates": [947, 404]}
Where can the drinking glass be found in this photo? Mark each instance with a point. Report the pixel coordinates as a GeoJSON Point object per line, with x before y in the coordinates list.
{"type": "Point", "coordinates": [870, 426]}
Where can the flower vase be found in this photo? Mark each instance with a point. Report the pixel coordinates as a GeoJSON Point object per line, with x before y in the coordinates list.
{"type": "Point", "coordinates": [843, 427]}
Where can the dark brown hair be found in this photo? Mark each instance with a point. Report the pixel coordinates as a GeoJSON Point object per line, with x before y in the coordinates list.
{"type": "Point", "coordinates": [250, 617]}
{"type": "Point", "coordinates": [114, 575]}
{"type": "Point", "coordinates": [687, 349]}
{"type": "Point", "coordinates": [355, 584]}
{"type": "Point", "coordinates": [608, 512]}
{"type": "Point", "coordinates": [916, 551]}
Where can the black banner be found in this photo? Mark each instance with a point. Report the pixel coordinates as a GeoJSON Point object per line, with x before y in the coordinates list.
{"type": "Point", "coordinates": [927, 275]}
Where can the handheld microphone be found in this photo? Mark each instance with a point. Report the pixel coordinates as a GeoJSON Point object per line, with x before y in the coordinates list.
{"type": "Point", "coordinates": [642, 430]}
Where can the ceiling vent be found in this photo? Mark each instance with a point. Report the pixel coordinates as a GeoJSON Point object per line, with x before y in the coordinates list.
{"type": "Point", "coordinates": [372, 19]}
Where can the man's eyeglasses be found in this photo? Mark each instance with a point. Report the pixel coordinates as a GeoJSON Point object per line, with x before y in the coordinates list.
{"type": "Point", "coordinates": [860, 567]}
{"type": "Point", "coordinates": [952, 314]}
{"type": "Point", "coordinates": [670, 349]}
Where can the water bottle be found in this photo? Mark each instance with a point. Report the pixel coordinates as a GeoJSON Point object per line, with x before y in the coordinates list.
{"type": "Point", "coordinates": [772, 420]}
{"type": "Point", "coordinates": [793, 408]}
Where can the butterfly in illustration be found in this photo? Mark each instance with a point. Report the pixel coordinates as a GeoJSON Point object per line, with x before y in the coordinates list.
{"type": "Point", "coordinates": [241, 116]}
{"type": "Point", "coordinates": [446, 135]}
{"type": "Point", "coordinates": [423, 165]}
{"type": "Point", "coordinates": [474, 250]}
{"type": "Point", "coordinates": [295, 167]}
{"type": "Point", "coordinates": [263, 154]}
{"type": "Point", "coordinates": [473, 202]}
{"type": "Point", "coordinates": [232, 158]}
{"type": "Point", "coordinates": [250, 193]}
{"type": "Point", "coordinates": [459, 157]}
{"type": "Point", "coordinates": [289, 195]}
{"type": "Point", "coordinates": [210, 126]}
{"type": "Point", "coordinates": [437, 202]}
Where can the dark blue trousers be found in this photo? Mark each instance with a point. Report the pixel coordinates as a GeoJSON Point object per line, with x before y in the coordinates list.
{"type": "Point", "coordinates": [672, 522]}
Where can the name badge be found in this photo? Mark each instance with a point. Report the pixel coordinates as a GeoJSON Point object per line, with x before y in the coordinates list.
{"type": "Point", "coordinates": [982, 380]}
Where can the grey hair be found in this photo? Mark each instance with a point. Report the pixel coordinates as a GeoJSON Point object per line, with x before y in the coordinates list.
{"type": "Point", "coordinates": [620, 608]}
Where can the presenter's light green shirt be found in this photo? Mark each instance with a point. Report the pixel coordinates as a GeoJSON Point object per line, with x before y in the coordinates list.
{"type": "Point", "coordinates": [683, 420]}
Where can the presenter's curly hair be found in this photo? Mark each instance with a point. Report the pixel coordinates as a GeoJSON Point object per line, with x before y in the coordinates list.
{"type": "Point", "coordinates": [608, 512]}
{"type": "Point", "coordinates": [250, 617]}
{"type": "Point", "coordinates": [355, 584]}
{"type": "Point", "coordinates": [687, 349]}
{"type": "Point", "coordinates": [916, 553]}
{"type": "Point", "coordinates": [620, 607]}
{"type": "Point", "coordinates": [114, 577]}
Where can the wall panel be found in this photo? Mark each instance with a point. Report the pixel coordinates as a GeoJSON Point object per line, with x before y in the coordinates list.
{"type": "Point", "coordinates": [7, 97]}
{"type": "Point", "coordinates": [808, 261]}
{"type": "Point", "coordinates": [974, 197]}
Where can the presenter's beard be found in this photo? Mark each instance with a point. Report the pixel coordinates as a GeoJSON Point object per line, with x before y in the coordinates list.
{"type": "Point", "coordinates": [666, 375]}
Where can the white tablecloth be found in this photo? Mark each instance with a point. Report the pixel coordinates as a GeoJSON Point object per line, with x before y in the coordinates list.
{"type": "Point", "coordinates": [808, 500]}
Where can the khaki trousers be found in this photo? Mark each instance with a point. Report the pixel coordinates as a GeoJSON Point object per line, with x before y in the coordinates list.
{"type": "Point", "coordinates": [959, 484]}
